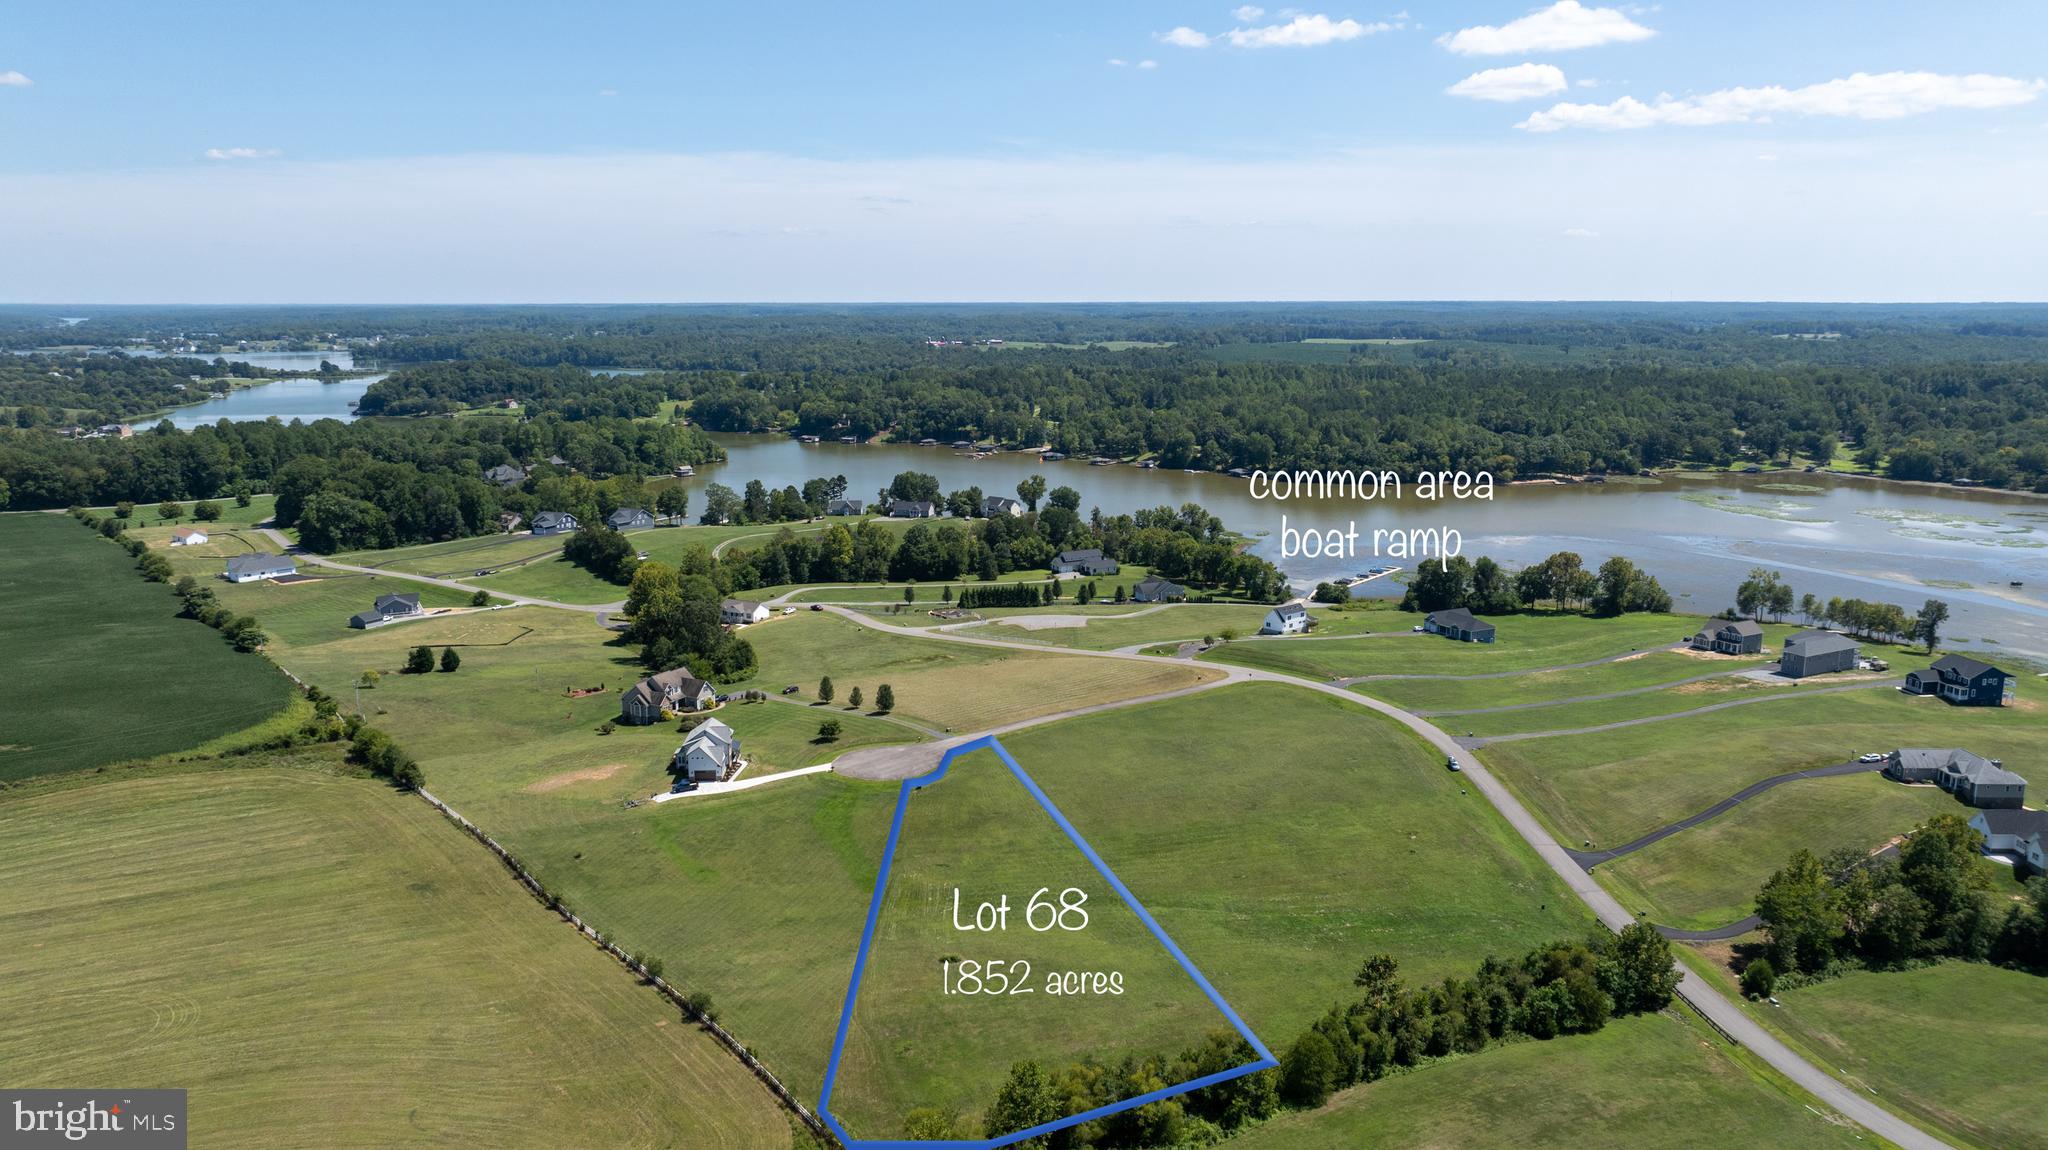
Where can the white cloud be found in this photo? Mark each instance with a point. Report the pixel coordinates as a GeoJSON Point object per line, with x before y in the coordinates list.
{"type": "Point", "coordinates": [1303, 32]}
{"type": "Point", "coordinates": [1148, 64]}
{"type": "Point", "coordinates": [1116, 63]}
{"type": "Point", "coordinates": [607, 92]}
{"type": "Point", "coordinates": [1564, 25]}
{"type": "Point", "coordinates": [1505, 85]}
{"type": "Point", "coordinates": [242, 153]}
{"type": "Point", "coordinates": [1247, 14]}
{"type": "Point", "coordinates": [1581, 233]}
{"type": "Point", "coordinates": [1585, 82]}
{"type": "Point", "coordinates": [1186, 37]}
{"type": "Point", "coordinates": [13, 79]}
{"type": "Point", "coordinates": [1863, 96]}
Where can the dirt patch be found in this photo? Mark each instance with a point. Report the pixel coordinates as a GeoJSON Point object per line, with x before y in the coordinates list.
{"type": "Point", "coordinates": [569, 778]}
{"type": "Point", "coordinates": [584, 692]}
{"type": "Point", "coordinates": [1716, 686]}
{"type": "Point", "coordinates": [1709, 656]}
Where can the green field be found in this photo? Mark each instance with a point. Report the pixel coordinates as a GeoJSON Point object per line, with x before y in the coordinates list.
{"type": "Point", "coordinates": [457, 558]}
{"type": "Point", "coordinates": [1127, 625]}
{"type": "Point", "coordinates": [1650, 704]}
{"type": "Point", "coordinates": [322, 961]}
{"type": "Point", "coordinates": [1645, 670]}
{"type": "Point", "coordinates": [1525, 643]}
{"type": "Point", "coordinates": [1644, 1081]}
{"type": "Point", "coordinates": [100, 667]}
{"type": "Point", "coordinates": [1707, 876]}
{"type": "Point", "coordinates": [260, 508]}
{"type": "Point", "coordinates": [1612, 786]}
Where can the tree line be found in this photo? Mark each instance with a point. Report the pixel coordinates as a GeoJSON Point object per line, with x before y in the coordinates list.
{"type": "Point", "coordinates": [1484, 587]}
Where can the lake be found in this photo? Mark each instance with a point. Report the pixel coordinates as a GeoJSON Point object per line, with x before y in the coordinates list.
{"type": "Point", "coordinates": [1700, 536]}
{"type": "Point", "coordinates": [287, 399]}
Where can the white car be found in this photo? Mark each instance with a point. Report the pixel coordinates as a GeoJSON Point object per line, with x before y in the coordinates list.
{"type": "Point", "coordinates": [1416, 627]}
{"type": "Point", "coordinates": [1872, 757]}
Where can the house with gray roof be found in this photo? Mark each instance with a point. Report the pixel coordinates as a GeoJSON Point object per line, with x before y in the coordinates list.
{"type": "Point", "coordinates": [505, 475]}
{"type": "Point", "coordinates": [995, 505]}
{"type": "Point", "coordinates": [843, 507]}
{"type": "Point", "coordinates": [1290, 618]}
{"type": "Point", "coordinates": [1730, 637]}
{"type": "Point", "coordinates": [913, 509]}
{"type": "Point", "coordinates": [387, 608]}
{"type": "Point", "coordinates": [259, 565]}
{"type": "Point", "coordinates": [710, 752]}
{"type": "Point", "coordinates": [1963, 681]}
{"type": "Point", "coordinates": [1816, 653]}
{"type": "Point", "coordinates": [1971, 778]}
{"type": "Point", "coordinates": [554, 523]}
{"type": "Point", "coordinates": [1458, 623]}
{"type": "Point", "coordinates": [674, 691]}
{"type": "Point", "coordinates": [741, 611]}
{"type": "Point", "coordinates": [1157, 590]}
{"type": "Point", "coordinates": [2010, 830]}
{"type": "Point", "coordinates": [629, 519]}
{"type": "Point", "coordinates": [1085, 561]}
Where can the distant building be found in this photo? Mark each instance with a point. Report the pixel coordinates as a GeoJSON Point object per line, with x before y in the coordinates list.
{"type": "Point", "coordinates": [1088, 561]}
{"type": "Point", "coordinates": [709, 752]}
{"type": "Point", "coordinates": [629, 519]}
{"type": "Point", "coordinates": [1458, 623]}
{"type": "Point", "coordinates": [505, 475]}
{"type": "Point", "coordinates": [554, 523]}
{"type": "Point", "coordinates": [187, 536]}
{"type": "Point", "coordinates": [1816, 653]}
{"type": "Point", "coordinates": [1157, 590]}
{"type": "Point", "coordinates": [510, 521]}
{"type": "Point", "coordinates": [684, 471]}
{"type": "Point", "coordinates": [1286, 619]}
{"type": "Point", "coordinates": [742, 611]}
{"type": "Point", "coordinates": [386, 608]}
{"type": "Point", "coordinates": [913, 509]}
{"type": "Point", "coordinates": [1730, 637]}
{"type": "Point", "coordinates": [259, 565]}
{"type": "Point", "coordinates": [843, 507]}
{"type": "Point", "coordinates": [1964, 681]}
{"type": "Point", "coordinates": [1971, 778]}
{"type": "Point", "coordinates": [996, 505]}
{"type": "Point", "coordinates": [673, 691]}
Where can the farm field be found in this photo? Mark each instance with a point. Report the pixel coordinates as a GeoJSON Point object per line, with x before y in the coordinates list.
{"type": "Point", "coordinates": [1526, 642]}
{"type": "Point", "coordinates": [1612, 786]}
{"type": "Point", "coordinates": [947, 686]}
{"type": "Point", "coordinates": [247, 909]}
{"type": "Point", "coordinates": [99, 632]}
{"type": "Point", "coordinates": [1642, 1081]}
{"type": "Point", "coordinates": [978, 832]}
{"type": "Point", "coordinates": [1707, 876]}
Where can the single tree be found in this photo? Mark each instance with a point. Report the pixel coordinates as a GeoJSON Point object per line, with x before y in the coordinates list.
{"type": "Point", "coordinates": [825, 689]}
{"type": "Point", "coordinates": [420, 661]}
{"type": "Point", "coordinates": [169, 509]}
{"type": "Point", "coordinates": [853, 698]}
{"type": "Point", "coordinates": [1031, 490]}
{"type": "Point", "coordinates": [449, 659]}
{"type": "Point", "coordinates": [206, 511]}
{"type": "Point", "coordinates": [124, 510]}
{"type": "Point", "coordinates": [885, 699]}
{"type": "Point", "coordinates": [1927, 627]}
{"type": "Point", "coordinates": [828, 731]}
{"type": "Point", "coordinates": [1759, 980]}
{"type": "Point", "coordinates": [909, 594]}
{"type": "Point", "coordinates": [480, 599]}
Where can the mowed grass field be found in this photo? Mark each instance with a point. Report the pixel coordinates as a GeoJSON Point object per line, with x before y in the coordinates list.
{"type": "Point", "coordinates": [1643, 1081]}
{"type": "Point", "coordinates": [1666, 701]}
{"type": "Point", "coordinates": [100, 668]}
{"type": "Point", "coordinates": [1939, 1044]}
{"type": "Point", "coordinates": [947, 686]}
{"type": "Point", "coordinates": [1525, 642]}
{"type": "Point", "coordinates": [1615, 785]}
{"type": "Point", "coordinates": [1649, 669]}
{"type": "Point", "coordinates": [324, 962]}
{"type": "Point", "coordinates": [1128, 625]}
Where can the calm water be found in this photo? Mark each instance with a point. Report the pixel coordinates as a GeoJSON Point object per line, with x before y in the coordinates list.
{"type": "Point", "coordinates": [1700, 537]}
{"type": "Point", "coordinates": [287, 399]}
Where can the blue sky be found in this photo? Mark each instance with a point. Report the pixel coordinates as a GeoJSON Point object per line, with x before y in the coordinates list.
{"type": "Point", "coordinates": [472, 152]}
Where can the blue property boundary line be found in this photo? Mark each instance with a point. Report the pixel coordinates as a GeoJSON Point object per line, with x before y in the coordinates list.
{"type": "Point", "coordinates": [1265, 1061]}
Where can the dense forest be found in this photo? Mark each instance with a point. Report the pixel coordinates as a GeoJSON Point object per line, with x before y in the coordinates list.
{"type": "Point", "coordinates": [57, 390]}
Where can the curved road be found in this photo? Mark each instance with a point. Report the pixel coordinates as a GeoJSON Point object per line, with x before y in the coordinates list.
{"type": "Point", "coordinates": [1702, 996]}
{"type": "Point", "coordinates": [1590, 859]}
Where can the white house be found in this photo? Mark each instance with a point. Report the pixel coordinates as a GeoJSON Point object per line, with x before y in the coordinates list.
{"type": "Point", "coordinates": [1286, 619]}
{"type": "Point", "coordinates": [995, 505]}
{"type": "Point", "coordinates": [707, 754]}
{"type": "Point", "coordinates": [259, 565]}
{"type": "Point", "coordinates": [740, 611]}
{"type": "Point", "coordinates": [2010, 830]}
{"type": "Point", "coordinates": [187, 536]}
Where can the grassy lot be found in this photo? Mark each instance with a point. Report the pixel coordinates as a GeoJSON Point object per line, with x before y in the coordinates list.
{"type": "Point", "coordinates": [1526, 642]}
{"type": "Point", "coordinates": [457, 558]}
{"type": "Point", "coordinates": [979, 832]}
{"type": "Point", "coordinates": [1652, 704]}
{"type": "Point", "coordinates": [1938, 1044]}
{"type": "Point", "coordinates": [1645, 670]}
{"type": "Point", "coordinates": [100, 668]}
{"type": "Point", "coordinates": [947, 686]}
{"type": "Point", "coordinates": [1615, 785]}
{"type": "Point", "coordinates": [1124, 626]}
{"type": "Point", "coordinates": [1708, 876]}
{"type": "Point", "coordinates": [322, 961]}
{"type": "Point", "coordinates": [311, 611]}
{"type": "Point", "coordinates": [260, 508]}
{"type": "Point", "coordinates": [1645, 1081]}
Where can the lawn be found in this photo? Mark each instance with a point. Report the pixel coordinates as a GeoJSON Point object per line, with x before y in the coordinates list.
{"type": "Point", "coordinates": [322, 961]}
{"type": "Point", "coordinates": [1707, 876]}
{"type": "Point", "coordinates": [1131, 624]}
{"type": "Point", "coordinates": [946, 686]}
{"type": "Point", "coordinates": [317, 609]}
{"type": "Point", "coordinates": [1649, 669]}
{"type": "Point", "coordinates": [1526, 642]}
{"type": "Point", "coordinates": [1645, 1081]}
{"type": "Point", "coordinates": [260, 508]}
{"type": "Point", "coordinates": [100, 667]}
{"type": "Point", "coordinates": [1650, 704]}
{"type": "Point", "coordinates": [1938, 1044]}
{"type": "Point", "coordinates": [457, 558]}
{"type": "Point", "coordinates": [1614, 785]}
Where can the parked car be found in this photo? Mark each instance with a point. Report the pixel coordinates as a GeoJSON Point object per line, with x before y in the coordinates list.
{"type": "Point", "coordinates": [1416, 627]}
{"type": "Point", "coordinates": [789, 610]}
{"type": "Point", "coordinates": [482, 571]}
{"type": "Point", "coordinates": [1453, 764]}
{"type": "Point", "coordinates": [1872, 757]}
{"type": "Point", "coordinates": [789, 690]}
{"type": "Point", "coordinates": [817, 606]}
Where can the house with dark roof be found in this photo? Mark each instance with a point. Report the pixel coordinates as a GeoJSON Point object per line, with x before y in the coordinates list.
{"type": "Point", "coordinates": [1458, 623]}
{"type": "Point", "coordinates": [505, 475]}
{"type": "Point", "coordinates": [554, 523]}
{"type": "Point", "coordinates": [1962, 680]}
{"type": "Point", "coordinates": [1971, 778]}
{"type": "Point", "coordinates": [629, 519]}
{"type": "Point", "coordinates": [387, 608]}
{"type": "Point", "coordinates": [1287, 619]}
{"type": "Point", "coordinates": [913, 509]}
{"type": "Point", "coordinates": [1086, 561]}
{"type": "Point", "coordinates": [710, 752]}
{"type": "Point", "coordinates": [995, 505]}
{"type": "Point", "coordinates": [1157, 590]}
{"type": "Point", "coordinates": [259, 565]}
{"type": "Point", "coordinates": [2010, 830]}
{"type": "Point", "coordinates": [1816, 653]}
{"type": "Point", "coordinates": [843, 507]}
{"type": "Point", "coordinates": [1730, 637]}
{"type": "Point", "coordinates": [739, 611]}
{"type": "Point", "coordinates": [672, 691]}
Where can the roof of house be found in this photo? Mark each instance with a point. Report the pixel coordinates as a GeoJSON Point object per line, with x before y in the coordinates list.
{"type": "Point", "coordinates": [1290, 609]}
{"type": "Point", "coordinates": [558, 461]}
{"type": "Point", "coordinates": [744, 606]}
{"type": "Point", "coordinates": [653, 690]}
{"type": "Point", "coordinates": [627, 515]}
{"type": "Point", "coordinates": [1934, 758]}
{"type": "Point", "coordinates": [386, 604]}
{"type": "Point", "coordinates": [1458, 617]}
{"type": "Point", "coordinates": [1743, 627]}
{"type": "Point", "coordinates": [552, 518]}
{"type": "Point", "coordinates": [1155, 583]}
{"type": "Point", "coordinates": [259, 561]}
{"type": "Point", "coordinates": [365, 618]}
{"type": "Point", "coordinates": [710, 730]}
{"type": "Point", "coordinates": [1983, 772]}
{"type": "Point", "coordinates": [1081, 556]}
{"type": "Point", "coordinates": [1002, 502]}
{"type": "Point", "coordinates": [914, 506]}
{"type": "Point", "coordinates": [1962, 665]}
{"type": "Point", "coordinates": [2014, 821]}
{"type": "Point", "coordinates": [504, 473]}
{"type": "Point", "coordinates": [1810, 643]}
{"type": "Point", "coordinates": [853, 503]}
{"type": "Point", "coordinates": [186, 532]}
